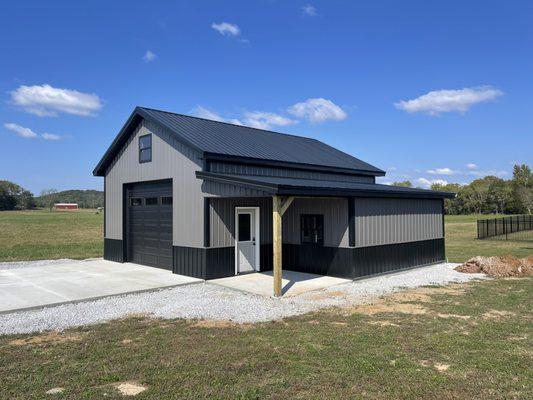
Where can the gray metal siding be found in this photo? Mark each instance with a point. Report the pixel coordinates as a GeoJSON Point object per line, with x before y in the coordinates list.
{"type": "Point", "coordinates": [335, 213]}
{"type": "Point", "coordinates": [243, 169]}
{"type": "Point", "coordinates": [170, 160]}
{"type": "Point", "coordinates": [229, 190]}
{"type": "Point", "coordinates": [380, 221]}
{"type": "Point", "coordinates": [222, 219]}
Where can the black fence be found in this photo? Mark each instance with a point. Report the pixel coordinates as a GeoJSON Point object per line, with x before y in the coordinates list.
{"type": "Point", "coordinates": [505, 227]}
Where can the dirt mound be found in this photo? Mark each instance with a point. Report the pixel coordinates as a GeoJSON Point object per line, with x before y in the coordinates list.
{"type": "Point", "coordinates": [503, 266]}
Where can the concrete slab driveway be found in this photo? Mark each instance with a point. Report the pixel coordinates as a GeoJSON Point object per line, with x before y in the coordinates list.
{"type": "Point", "coordinates": [45, 285]}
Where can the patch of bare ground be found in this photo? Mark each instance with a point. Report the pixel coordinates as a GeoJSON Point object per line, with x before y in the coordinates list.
{"type": "Point", "coordinates": [383, 323]}
{"type": "Point", "coordinates": [446, 316]}
{"type": "Point", "coordinates": [56, 390]}
{"type": "Point", "coordinates": [48, 337]}
{"type": "Point", "coordinates": [438, 366]}
{"type": "Point", "coordinates": [213, 323]}
{"type": "Point", "coordinates": [130, 388]}
{"type": "Point", "coordinates": [389, 307]}
{"type": "Point", "coordinates": [498, 267]}
{"type": "Point", "coordinates": [406, 302]}
{"type": "Point", "coordinates": [497, 314]}
{"type": "Point", "coordinates": [515, 338]}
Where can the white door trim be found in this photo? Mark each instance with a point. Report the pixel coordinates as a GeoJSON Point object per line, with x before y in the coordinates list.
{"type": "Point", "coordinates": [257, 236]}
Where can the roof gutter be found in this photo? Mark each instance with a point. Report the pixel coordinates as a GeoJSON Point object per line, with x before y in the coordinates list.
{"type": "Point", "coordinates": [289, 190]}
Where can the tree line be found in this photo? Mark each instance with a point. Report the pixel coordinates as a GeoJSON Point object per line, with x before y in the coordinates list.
{"type": "Point", "coordinates": [15, 197]}
{"type": "Point", "coordinates": [490, 194]}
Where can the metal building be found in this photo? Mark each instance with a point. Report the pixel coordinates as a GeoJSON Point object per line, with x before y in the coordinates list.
{"type": "Point", "coordinates": [211, 199]}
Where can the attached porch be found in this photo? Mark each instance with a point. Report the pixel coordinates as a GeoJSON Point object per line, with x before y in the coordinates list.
{"type": "Point", "coordinates": [258, 224]}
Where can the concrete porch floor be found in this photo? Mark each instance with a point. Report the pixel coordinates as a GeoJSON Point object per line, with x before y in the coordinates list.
{"type": "Point", "coordinates": [293, 283]}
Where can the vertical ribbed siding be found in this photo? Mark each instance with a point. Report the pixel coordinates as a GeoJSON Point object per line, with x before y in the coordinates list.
{"type": "Point", "coordinates": [376, 260]}
{"type": "Point", "coordinates": [189, 261]}
{"type": "Point", "coordinates": [335, 211]}
{"type": "Point", "coordinates": [229, 190]}
{"type": "Point", "coordinates": [222, 219]}
{"type": "Point", "coordinates": [170, 160]}
{"type": "Point", "coordinates": [114, 250]}
{"type": "Point", "coordinates": [382, 221]}
{"type": "Point", "coordinates": [243, 169]}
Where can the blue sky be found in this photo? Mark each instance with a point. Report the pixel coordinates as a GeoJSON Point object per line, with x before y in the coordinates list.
{"type": "Point", "coordinates": [426, 90]}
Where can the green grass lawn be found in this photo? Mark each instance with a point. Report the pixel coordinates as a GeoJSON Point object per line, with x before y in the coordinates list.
{"type": "Point", "coordinates": [41, 234]}
{"type": "Point", "coordinates": [463, 341]}
{"type": "Point", "coordinates": [459, 342]}
{"type": "Point", "coordinates": [462, 242]}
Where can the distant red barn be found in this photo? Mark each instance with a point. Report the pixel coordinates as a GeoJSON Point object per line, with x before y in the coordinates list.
{"type": "Point", "coordinates": [66, 206]}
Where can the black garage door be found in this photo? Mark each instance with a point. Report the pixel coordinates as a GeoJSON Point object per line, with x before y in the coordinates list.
{"type": "Point", "coordinates": [149, 223]}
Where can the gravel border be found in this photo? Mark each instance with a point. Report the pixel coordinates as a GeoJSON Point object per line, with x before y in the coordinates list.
{"type": "Point", "coordinates": [208, 301]}
{"type": "Point", "coordinates": [37, 263]}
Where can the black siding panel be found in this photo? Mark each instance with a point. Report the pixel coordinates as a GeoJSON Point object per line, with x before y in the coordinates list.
{"type": "Point", "coordinates": [265, 254]}
{"type": "Point", "coordinates": [351, 221]}
{"type": "Point", "coordinates": [220, 262]}
{"type": "Point", "coordinates": [381, 259]}
{"type": "Point", "coordinates": [322, 260]}
{"type": "Point", "coordinates": [212, 263]}
{"type": "Point", "coordinates": [189, 261]}
{"type": "Point", "coordinates": [113, 250]}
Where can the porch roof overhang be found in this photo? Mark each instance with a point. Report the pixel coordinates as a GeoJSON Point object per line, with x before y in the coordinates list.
{"type": "Point", "coordinates": [281, 186]}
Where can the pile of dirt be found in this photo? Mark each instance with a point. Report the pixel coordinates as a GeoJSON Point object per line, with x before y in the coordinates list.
{"type": "Point", "coordinates": [504, 266]}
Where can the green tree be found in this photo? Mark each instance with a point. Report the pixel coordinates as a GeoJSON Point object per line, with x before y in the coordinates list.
{"type": "Point", "coordinates": [50, 195]}
{"type": "Point", "coordinates": [451, 206]}
{"type": "Point", "coordinates": [14, 197]}
{"type": "Point", "coordinates": [522, 187]}
{"type": "Point", "coordinates": [403, 183]}
{"type": "Point", "coordinates": [522, 175]}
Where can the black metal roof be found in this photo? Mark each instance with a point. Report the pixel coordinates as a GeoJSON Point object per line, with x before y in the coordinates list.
{"type": "Point", "coordinates": [311, 187]}
{"type": "Point", "coordinates": [221, 140]}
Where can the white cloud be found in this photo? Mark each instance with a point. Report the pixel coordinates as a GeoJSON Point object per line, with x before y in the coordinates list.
{"type": "Point", "coordinates": [203, 112]}
{"type": "Point", "coordinates": [149, 56]}
{"type": "Point", "coordinates": [392, 169]}
{"type": "Point", "coordinates": [21, 131]}
{"type": "Point", "coordinates": [266, 120]}
{"type": "Point", "coordinates": [441, 171]}
{"type": "Point", "coordinates": [226, 29]}
{"type": "Point", "coordinates": [45, 100]}
{"type": "Point", "coordinates": [426, 183]}
{"type": "Point", "coordinates": [309, 10]}
{"type": "Point", "coordinates": [50, 136]}
{"type": "Point", "coordinates": [317, 110]}
{"type": "Point", "coordinates": [441, 101]}
{"type": "Point", "coordinates": [481, 174]}
{"type": "Point", "coordinates": [471, 166]}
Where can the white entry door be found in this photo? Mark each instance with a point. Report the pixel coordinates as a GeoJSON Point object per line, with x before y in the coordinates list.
{"type": "Point", "coordinates": [246, 239]}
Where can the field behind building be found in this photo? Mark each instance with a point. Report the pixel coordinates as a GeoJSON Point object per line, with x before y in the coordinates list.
{"type": "Point", "coordinates": [41, 234]}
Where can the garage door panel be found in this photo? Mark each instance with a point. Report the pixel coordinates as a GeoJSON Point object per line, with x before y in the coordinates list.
{"type": "Point", "coordinates": [149, 227]}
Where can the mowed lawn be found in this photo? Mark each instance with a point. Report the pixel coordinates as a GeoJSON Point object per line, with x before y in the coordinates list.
{"type": "Point", "coordinates": [41, 234]}
{"type": "Point", "coordinates": [471, 341]}
{"type": "Point", "coordinates": [462, 243]}
{"type": "Point", "coordinates": [455, 342]}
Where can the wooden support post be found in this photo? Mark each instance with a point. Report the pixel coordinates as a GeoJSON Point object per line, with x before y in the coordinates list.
{"type": "Point", "coordinates": [277, 244]}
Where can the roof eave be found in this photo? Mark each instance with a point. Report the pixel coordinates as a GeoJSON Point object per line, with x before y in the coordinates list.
{"type": "Point", "coordinates": [288, 190]}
